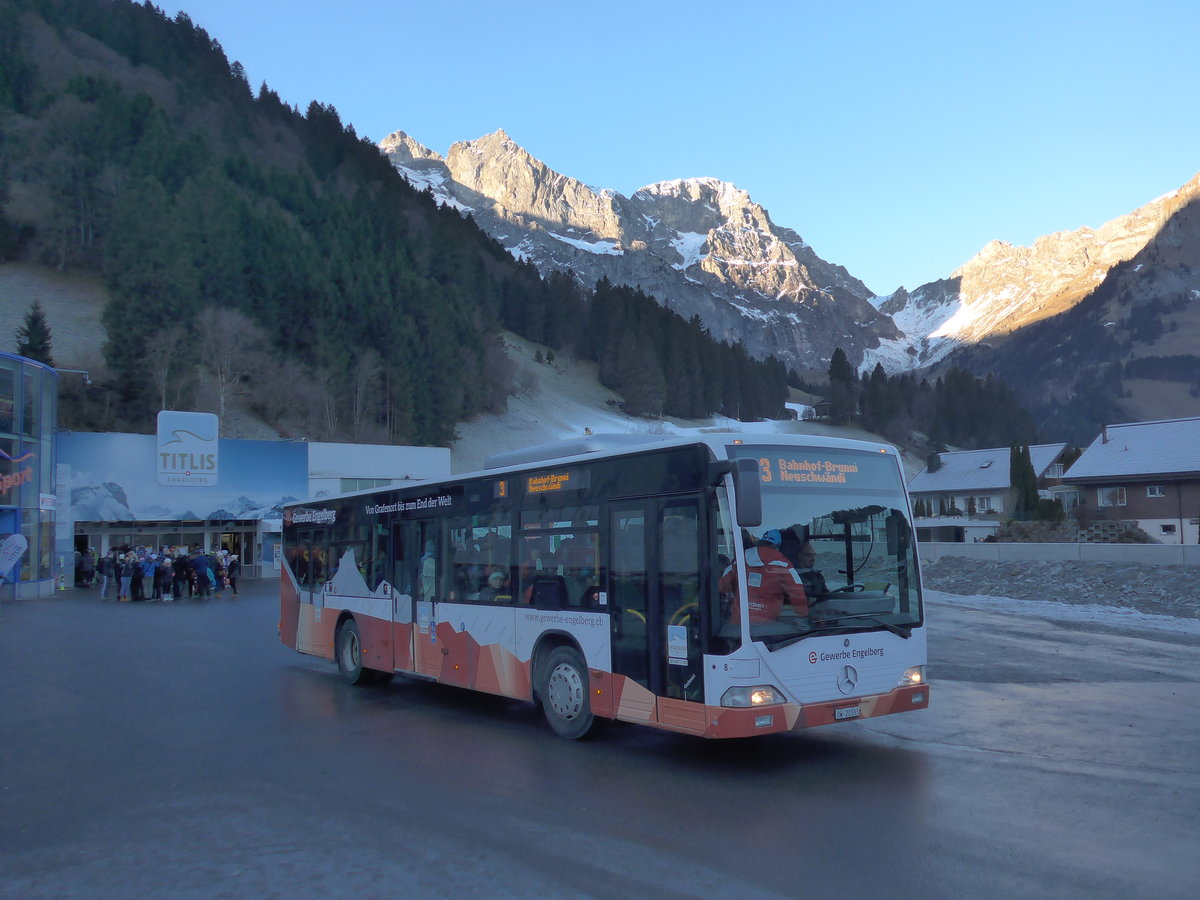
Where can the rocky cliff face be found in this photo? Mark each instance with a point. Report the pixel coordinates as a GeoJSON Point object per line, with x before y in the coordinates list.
{"type": "Point", "coordinates": [1117, 338]}
{"type": "Point", "coordinates": [701, 246]}
{"type": "Point", "coordinates": [1004, 289]}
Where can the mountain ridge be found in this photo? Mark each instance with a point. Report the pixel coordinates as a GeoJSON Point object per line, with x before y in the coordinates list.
{"type": "Point", "coordinates": [1006, 287]}
{"type": "Point", "coordinates": [766, 284]}
{"type": "Point", "coordinates": [702, 246]}
{"type": "Point", "coordinates": [705, 248]}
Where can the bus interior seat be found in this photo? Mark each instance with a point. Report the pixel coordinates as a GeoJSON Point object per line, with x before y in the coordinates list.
{"type": "Point", "coordinates": [549, 592]}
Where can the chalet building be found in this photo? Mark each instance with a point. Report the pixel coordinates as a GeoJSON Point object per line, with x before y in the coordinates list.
{"type": "Point", "coordinates": [1148, 472]}
{"type": "Point", "coordinates": [968, 492]}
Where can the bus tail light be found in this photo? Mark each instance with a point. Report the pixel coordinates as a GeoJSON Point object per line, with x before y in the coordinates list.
{"type": "Point", "coordinates": [759, 695]}
{"type": "Point", "coordinates": [912, 675]}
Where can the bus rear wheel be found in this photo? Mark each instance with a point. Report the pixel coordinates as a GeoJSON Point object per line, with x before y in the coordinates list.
{"type": "Point", "coordinates": [564, 694]}
{"type": "Point", "coordinates": [349, 654]}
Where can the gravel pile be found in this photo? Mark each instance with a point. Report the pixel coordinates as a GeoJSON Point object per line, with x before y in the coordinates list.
{"type": "Point", "coordinates": [1158, 590]}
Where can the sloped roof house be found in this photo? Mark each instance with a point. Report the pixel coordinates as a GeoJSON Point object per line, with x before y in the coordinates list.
{"type": "Point", "coordinates": [1148, 472]}
{"type": "Point", "coordinates": [956, 481]}
{"type": "Point", "coordinates": [980, 474]}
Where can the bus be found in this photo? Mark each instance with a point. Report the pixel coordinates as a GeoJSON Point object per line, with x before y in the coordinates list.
{"type": "Point", "coordinates": [605, 578]}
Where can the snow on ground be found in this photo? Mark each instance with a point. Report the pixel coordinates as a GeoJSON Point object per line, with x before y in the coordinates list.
{"type": "Point", "coordinates": [560, 400]}
{"type": "Point", "coordinates": [72, 305]}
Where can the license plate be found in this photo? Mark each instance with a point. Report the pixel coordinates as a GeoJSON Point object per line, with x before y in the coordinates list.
{"type": "Point", "coordinates": [848, 712]}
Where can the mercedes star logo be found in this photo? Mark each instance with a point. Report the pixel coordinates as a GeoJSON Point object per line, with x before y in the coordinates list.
{"type": "Point", "coordinates": [847, 679]}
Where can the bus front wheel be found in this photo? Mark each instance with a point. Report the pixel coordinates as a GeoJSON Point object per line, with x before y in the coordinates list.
{"type": "Point", "coordinates": [564, 693]}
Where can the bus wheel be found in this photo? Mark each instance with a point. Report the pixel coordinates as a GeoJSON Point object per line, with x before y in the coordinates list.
{"type": "Point", "coordinates": [564, 693]}
{"type": "Point", "coordinates": [349, 654]}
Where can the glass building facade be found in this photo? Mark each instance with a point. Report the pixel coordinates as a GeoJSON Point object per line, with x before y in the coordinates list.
{"type": "Point", "coordinates": [28, 421]}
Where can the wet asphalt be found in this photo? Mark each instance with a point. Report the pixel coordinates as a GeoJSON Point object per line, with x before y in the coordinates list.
{"type": "Point", "coordinates": [180, 751]}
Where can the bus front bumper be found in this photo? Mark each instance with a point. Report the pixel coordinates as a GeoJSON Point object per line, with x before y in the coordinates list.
{"type": "Point", "coordinates": [726, 722]}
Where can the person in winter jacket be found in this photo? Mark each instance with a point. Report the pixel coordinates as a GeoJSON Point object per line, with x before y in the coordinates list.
{"type": "Point", "coordinates": [232, 570]}
{"type": "Point", "coordinates": [129, 565]}
{"type": "Point", "coordinates": [149, 564]}
{"type": "Point", "coordinates": [770, 579]}
{"type": "Point", "coordinates": [106, 569]}
{"type": "Point", "coordinates": [200, 565]}
{"type": "Point", "coordinates": [814, 581]}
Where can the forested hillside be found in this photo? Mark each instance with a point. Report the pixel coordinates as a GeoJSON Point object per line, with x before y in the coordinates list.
{"type": "Point", "coordinates": [253, 250]}
{"type": "Point", "coordinates": [957, 409]}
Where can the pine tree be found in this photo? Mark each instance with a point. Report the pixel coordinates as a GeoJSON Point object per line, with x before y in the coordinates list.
{"type": "Point", "coordinates": [1023, 482]}
{"type": "Point", "coordinates": [33, 337]}
{"type": "Point", "coordinates": [843, 388]}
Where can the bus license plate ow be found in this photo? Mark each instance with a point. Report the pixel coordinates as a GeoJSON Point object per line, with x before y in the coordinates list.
{"type": "Point", "coordinates": [848, 712]}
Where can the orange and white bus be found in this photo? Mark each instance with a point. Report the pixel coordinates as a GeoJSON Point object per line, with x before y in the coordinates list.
{"type": "Point", "coordinates": [606, 578]}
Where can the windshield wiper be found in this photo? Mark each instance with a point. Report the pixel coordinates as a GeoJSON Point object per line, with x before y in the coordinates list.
{"type": "Point", "coordinates": [832, 623]}
{"type": "Point", "coordinates": [893, 628]}
{"type": "Point", "coordinates": [788, 640]}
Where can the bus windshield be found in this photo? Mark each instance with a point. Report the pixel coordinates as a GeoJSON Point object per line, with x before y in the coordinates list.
{"type": "Point", "coordinates": [839, 519]}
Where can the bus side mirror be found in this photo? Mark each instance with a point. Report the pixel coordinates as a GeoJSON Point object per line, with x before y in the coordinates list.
{"type": "Point", "coordinates": [748, 487]}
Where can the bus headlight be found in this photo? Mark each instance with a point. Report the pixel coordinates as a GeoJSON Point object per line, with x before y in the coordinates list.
{"type": "Point", "coordinates": [912, 675]}
{"type": "Point", "coordinates": [759, 695]}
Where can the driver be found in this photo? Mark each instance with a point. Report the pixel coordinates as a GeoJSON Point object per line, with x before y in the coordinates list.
{"type": "Point", "coordinates": [814, 581]}
{"type": "Point", "coordinates": [771, 580]}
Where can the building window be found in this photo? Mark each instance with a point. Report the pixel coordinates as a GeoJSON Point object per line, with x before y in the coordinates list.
{"type": "Point", "coordinates": [1111, 496]}
{"type": "Point", "coordinates": [1166, 529]}
{"type": "Point", "coordinates": [1155, 490]}
{"type": "Point", "coordinates": [1055, 471]}
{"type": "Point", "coordinates": [983, 504]}
{"type": "Point", "coordinates": [349, 485]}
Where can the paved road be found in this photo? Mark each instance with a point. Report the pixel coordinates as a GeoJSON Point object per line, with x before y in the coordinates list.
{"type": "Point", "coordinates": [180, 751]}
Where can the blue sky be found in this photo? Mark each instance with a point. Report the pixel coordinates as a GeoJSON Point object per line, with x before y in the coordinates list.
{"type": "Point", "coordinates": [896, 138]}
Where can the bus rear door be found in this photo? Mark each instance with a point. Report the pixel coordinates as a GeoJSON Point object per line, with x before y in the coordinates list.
{"type": "Point", "coordinates": [422, 580]}
{"type": "Point", "coordinates": [393, 542]}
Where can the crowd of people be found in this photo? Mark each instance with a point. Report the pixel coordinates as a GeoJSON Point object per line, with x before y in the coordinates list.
{"type": "Point", "coordinates": [130, 574]}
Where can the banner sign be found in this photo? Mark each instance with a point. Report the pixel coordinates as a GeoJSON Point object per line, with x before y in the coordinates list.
{"type": "Point", "coordinates": [187, 448]}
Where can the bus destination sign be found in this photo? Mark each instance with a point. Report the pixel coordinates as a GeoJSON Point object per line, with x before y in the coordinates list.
{"type": "Point", "coordinates": [796, 469]}
{"type": "Point", "coordinates": [555, 481]}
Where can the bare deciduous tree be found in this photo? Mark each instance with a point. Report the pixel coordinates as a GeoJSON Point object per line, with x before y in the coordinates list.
{"type": "Point", "coordinates": [163, 351]}
{"type": "Point", "coordinates": [366, 381]}
{"type": "Point", "coordinates": [276, 389]}
{"type": "Point", "coordinates": [229, 345]}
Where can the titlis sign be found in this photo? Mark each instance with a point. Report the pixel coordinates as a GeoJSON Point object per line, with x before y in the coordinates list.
{"type": "Point", "coordinates": [187, 448]}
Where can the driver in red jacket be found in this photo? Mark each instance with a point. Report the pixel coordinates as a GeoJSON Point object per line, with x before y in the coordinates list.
{"type": "Point", "coordinates": [771, 579]}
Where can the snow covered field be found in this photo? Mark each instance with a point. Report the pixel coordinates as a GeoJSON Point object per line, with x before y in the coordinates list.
{"type": "Point", "coordinates": [560, 400]}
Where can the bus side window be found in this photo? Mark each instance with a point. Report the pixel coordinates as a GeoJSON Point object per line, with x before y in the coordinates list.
{"type": "Point", "coordinates": [400, 577]}
{"type": "Point", "coordinates": [427, 572]}
{"type": "Point", "coordinates": [536, 561]}
{"type": "Point", "coordinates": [379, 564]}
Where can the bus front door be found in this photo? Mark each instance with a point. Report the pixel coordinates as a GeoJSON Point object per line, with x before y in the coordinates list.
{"type": "Point", "coordinates": [310, 576]}
{"type": "Point", "coordinates": [654, 581]}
